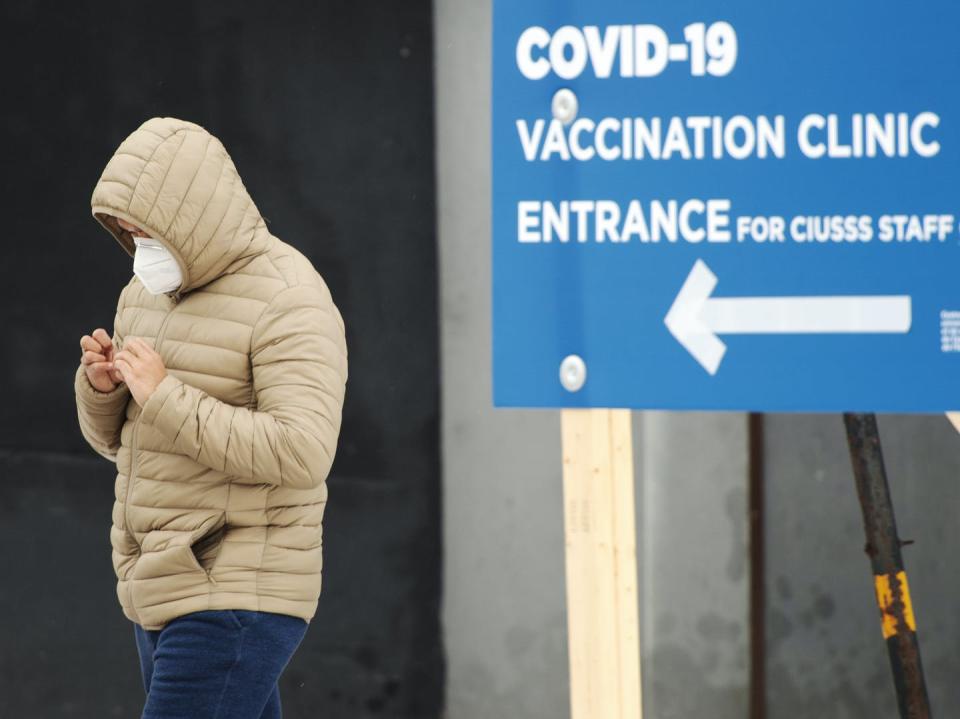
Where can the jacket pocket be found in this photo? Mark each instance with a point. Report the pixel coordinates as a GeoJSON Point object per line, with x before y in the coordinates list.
{"type": "Point", "coordinates": [205, 548]}
{"type": "Point", "coordinates": [164, 555]}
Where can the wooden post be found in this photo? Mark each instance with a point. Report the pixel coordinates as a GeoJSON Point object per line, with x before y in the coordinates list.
{"type": "Point", "coordinates": [603, 625]}
{"type": "Point", "coordinates": [954, 418]}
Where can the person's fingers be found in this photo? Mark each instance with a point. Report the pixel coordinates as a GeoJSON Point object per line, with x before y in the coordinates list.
{"type": "Point", "coordinates": [102, 366]}
{"type": "Point", "coordinates": [136, 346]}
{"type": "Point", "coordinates": [89, 343]}
{"type": "Point", "coordinates": [123, 367]}
{"type": "Point", "coordinates": [127, 356]}
{"type": "Point", "coordinates": [101, 336]}
{"type": "Point", "coordinates": [143, 348]}
{"type": "Point", "coordinates": [90, 357]}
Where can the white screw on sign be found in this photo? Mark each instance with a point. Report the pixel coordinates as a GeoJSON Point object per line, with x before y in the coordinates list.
{"type": "Point", "coordinates": [573, 373]}
{"type": "Point", "coordinates": [565, 105]}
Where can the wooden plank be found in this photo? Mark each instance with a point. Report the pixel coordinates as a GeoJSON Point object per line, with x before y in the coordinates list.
{"type": "Point", "coordinates": [954, 418]}
{"type": "Point", "coordinates": [601, 565]}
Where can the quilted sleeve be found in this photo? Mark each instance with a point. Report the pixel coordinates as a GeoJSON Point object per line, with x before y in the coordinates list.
{"type": "Point", "coordinates": [299, 364]}
{"type": "Point", "coordinates": [101, 414]}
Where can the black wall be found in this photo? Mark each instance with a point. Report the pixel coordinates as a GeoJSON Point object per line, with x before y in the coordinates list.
{"type": "Point", "coordinates": [326, 109]}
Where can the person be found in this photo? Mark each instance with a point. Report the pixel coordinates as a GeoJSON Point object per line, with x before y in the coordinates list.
{"type": "Point", "coordinates": [219, 398]}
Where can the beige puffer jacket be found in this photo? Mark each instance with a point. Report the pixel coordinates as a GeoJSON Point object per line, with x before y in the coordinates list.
{"type": "Point", "coordinates": [221, 476]}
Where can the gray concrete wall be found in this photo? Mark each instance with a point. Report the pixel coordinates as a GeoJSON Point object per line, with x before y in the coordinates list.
{"type": "Point", "coordinates": [504, 615]}
{"type": "Point", "coordinates": [694, 571]}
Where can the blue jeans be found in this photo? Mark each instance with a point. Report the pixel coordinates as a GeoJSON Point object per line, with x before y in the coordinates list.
{"type": "Point", "coordinates": [217, 664]}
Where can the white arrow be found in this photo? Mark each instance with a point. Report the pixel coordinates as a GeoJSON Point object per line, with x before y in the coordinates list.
{"type": "Point", "coordinates": [695, 319]}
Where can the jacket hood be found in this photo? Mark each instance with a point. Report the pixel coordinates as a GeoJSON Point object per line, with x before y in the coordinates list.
{"type": "Point", "coordinates": [175, 180]}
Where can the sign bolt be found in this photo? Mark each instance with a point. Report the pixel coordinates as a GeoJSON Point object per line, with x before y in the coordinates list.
{"type": "Point", "coordinates": [573, 373]}
{"type": "Point", "coordinates": [565, 105]}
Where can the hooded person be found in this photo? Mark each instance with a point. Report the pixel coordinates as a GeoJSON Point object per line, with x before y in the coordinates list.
{"type": "Point", "coordinates": [221, 473]}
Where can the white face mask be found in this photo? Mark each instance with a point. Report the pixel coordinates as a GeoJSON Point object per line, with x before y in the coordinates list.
{"type": "Point", "coordinates": [155, 266]}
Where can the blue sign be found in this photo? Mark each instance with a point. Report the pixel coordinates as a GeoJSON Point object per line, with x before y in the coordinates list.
{"type": "Point", "coordinates": [726, 205]}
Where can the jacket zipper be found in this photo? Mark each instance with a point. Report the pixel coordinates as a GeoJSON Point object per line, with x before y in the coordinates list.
{"type": "Point", "coordinates": [136, 425]}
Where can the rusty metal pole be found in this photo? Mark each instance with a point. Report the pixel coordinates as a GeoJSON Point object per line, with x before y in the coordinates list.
{"type": "Point", "coordinates": [883, 547]}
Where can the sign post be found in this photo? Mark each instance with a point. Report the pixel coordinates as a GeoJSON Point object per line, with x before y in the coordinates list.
{"type": "Point", "coordinates": [601, 564]}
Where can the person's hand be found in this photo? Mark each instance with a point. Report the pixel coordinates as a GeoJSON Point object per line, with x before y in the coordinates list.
{"type": "Point", "coordinates": [141, 368]}
{"type": "Point", "coordinates": [97, 360]}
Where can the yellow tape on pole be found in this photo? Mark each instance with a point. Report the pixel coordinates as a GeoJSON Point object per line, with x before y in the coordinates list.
{"type": "Point", "coordinates": [885, 600]}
